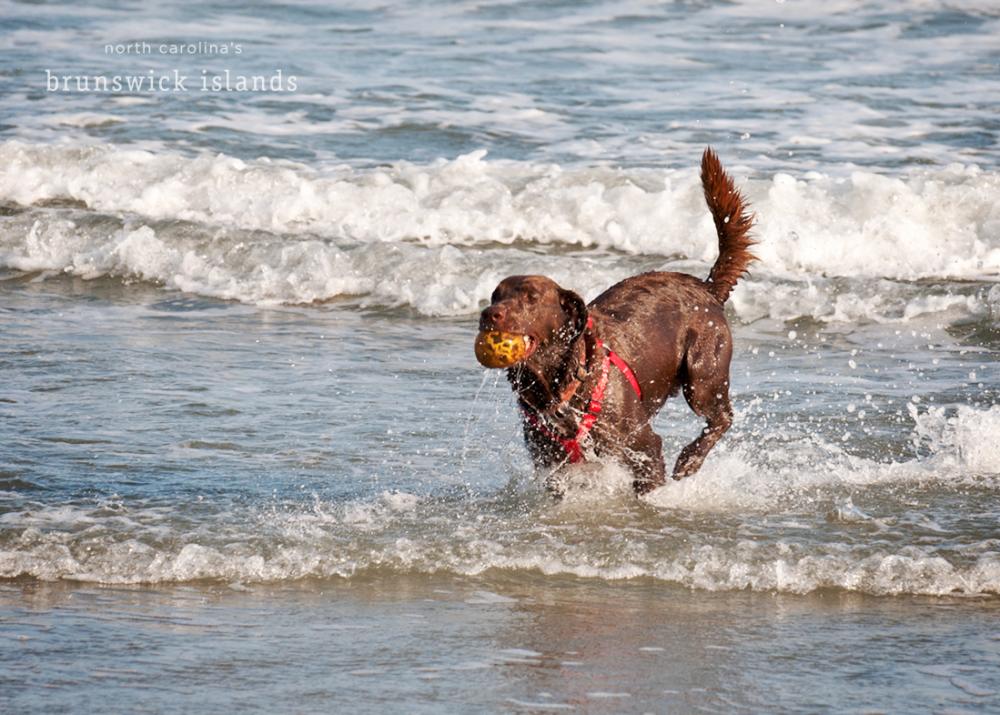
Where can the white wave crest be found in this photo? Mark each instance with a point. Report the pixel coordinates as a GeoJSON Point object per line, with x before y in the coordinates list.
{"type": "Point", "coordinates": [937, 223]}
{"type": "Point", "coordinates": [783, 566]}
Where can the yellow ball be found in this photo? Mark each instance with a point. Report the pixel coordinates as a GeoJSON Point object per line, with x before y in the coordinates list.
{"type": "Point", "coordinates": [497, 349]}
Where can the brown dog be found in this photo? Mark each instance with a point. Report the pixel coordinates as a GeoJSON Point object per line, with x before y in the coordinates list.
{"type": "Point", "coordinates": [590, 379]}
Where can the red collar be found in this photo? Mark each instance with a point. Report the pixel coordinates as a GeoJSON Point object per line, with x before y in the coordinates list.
{"type": "Point", "coordinates": [572, 445]}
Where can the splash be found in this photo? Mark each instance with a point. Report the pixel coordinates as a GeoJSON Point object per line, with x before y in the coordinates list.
{"type": "Point", "coordinates": [804, 520]}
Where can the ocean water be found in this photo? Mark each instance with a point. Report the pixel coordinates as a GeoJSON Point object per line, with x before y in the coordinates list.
{"type": "Point", "coordinates": [248, 460]}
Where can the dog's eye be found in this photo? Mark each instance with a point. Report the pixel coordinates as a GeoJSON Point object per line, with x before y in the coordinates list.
{"type": "Point", "coordinates": [532, 295]}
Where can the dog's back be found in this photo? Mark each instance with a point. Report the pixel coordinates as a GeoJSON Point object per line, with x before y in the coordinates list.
{"type": "Point", "coordinates": [656, 318]}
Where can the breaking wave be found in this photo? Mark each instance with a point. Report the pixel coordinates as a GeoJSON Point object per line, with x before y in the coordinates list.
{"type": "Point", "coordinates": [437, 237]}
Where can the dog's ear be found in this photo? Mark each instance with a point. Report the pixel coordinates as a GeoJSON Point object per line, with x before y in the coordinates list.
{"type": "Point", "coordinates": [574, 307]}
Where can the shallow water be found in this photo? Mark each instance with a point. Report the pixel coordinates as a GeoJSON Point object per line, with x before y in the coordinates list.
{"type": "Point", "coordinates": [511, 643]}
{"type": "Point", "coordinates": [243, 434]}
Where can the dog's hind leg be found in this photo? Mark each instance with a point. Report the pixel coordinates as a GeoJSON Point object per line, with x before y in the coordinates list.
{"type": "Point", "coordinates": [718, 414]}
{"type": "Point", "coordinates": [706, 390]}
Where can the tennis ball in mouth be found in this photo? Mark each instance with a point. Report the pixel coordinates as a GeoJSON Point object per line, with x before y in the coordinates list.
{"type": "Point", "coordinates": [498, 349]}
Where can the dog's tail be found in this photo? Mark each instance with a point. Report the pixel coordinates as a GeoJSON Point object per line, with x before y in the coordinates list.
{"type": "Point", "coordinates": [733, 222]}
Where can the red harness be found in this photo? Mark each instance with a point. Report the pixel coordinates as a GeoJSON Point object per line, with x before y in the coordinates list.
{"type": "Point", "coordinates": [572, 445]}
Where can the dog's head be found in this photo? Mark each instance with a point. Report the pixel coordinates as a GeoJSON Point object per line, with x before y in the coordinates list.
{"type": "Point", "coordinates": [527, 314]}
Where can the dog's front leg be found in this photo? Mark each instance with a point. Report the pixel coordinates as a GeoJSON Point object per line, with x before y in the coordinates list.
{"type": "Point", "coordinates": [644, 458]}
